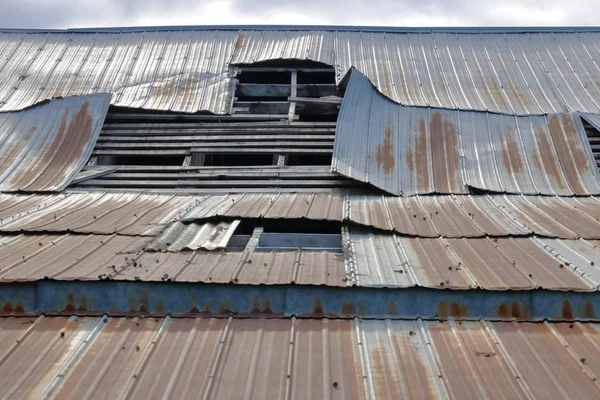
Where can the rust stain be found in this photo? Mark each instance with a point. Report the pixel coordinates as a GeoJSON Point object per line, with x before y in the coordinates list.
{"type": "Point", "coordinates": [225, 307]}
{"type": "Point", "coordinates": [588, 310]}
{"type": "Point", "coordinates": [496, 95]}
{"type": "Point", "coordinates": [268, 307]}
{"type": "Point", "coordinates": [207, 307]}
{"type": "Point", "coordinates": [385, 153]}
{"type": "Point", "coordinates": [160, 306]}
{"type": "Point", "coordinates": [144, 304]}
{"type": "Point", "coordinates": [66, 147]}
{"type": "Point", "coordinates": [82, 303]}
{"type": "Point", "coordinates": [362, 310]}
{"type": "Point", "coordinates": [392, 308]}
{"type": "Point", "coordinates": [132, 303]}
{"type": "Point", "coordinates": [503, 311]}
{"type": "Point", "coordinates": [570, 155]}
{"type": "Point", "coordinates": [457, 310]}
{"type": "Point", "coordinates": [548, 160]}
{"type": "Point", "coordinates": [348, 308]}
{"type": "Point", "coordinates": [70, 303]}
{"type": "Point", "coordinates": [255, 305]}
{"type": "Point", "coordinates": [317, 305]}
{"type": "Point", "coordinates": [567, 310]}
{"type": "Point", "coordinates": [194, 310]}
{"type": "Point", "coordinates": [442, 310]}
{"type": "Point", "coordinates": [20, 307]}
{"type": "Point", "coordinates": [9, 156]}
{"type": "Point", "coordinates": [421, 158]}
{"type": "Point", "coordinates": [7, 308]}
{"type": "Point", "coordinates": [511, 156]}
{"type": "Point", "coordinates": [387, 385]}
{"type": "Point", "coordinates": [444, 153]}
{"type": "Point", "coordinates": [240, 44]}
{"type": "Point", "coordinates": [515, 310]}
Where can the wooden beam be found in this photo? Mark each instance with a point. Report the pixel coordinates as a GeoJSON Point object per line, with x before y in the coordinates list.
{"type": "Point", "coordinates": [259, 150]}
{"type": "Point", "coordinates": [320, 100]}
{"type": "Point", "coordinates": [294, 93]}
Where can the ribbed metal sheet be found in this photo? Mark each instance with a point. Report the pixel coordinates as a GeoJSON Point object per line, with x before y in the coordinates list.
{"type": "Point", "coordinates": [278, 358]}
{"type": "Point", "coordinates": [408, 150]}
{"type": "Point", "coordinates": [372, 259]}
{"type": "Point", "coordinates": [188, 70]}
{"type": "Point", "coordinates": [385, 260]}
{"type": "Point", "coordinates": [192, 236]}
{"type": "Point", "coordinates": [97, 212]}
{"type": "Point", "coordinates": [509, 73]}
{"type": "Point", "coordinates": [44, 147]}
{"type": "Point", "coordinates": [30, 257]}
{"type": "Point", "coordinates": [422, 216]}
{"type": "Point", "coordinates": [178, 70]}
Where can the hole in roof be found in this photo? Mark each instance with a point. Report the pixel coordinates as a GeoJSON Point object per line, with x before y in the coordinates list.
{"type": "Point", "coordinates": [309, 159]}
{"type": "Point", "coordinates": [232, 159]}
{"type": "Point", "coordinates": [145, 160]}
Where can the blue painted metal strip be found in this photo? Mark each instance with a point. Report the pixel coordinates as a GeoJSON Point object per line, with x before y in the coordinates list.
{"type": "Point", "coordinates": [186, 298]}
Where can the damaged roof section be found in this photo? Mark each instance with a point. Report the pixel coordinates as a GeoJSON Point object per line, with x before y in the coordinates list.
{"type": "Point", "coordinates": [193, 236]}
{"type": "Point", "coordinates": [412, 150]}
{"type": "Point", "coordinates": [423, 216]}
{"type": "Point", "coordinates": [44, 147]}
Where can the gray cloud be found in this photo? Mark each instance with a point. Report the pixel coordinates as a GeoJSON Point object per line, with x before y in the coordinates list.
{"type": "Point", "coordinates": [91, 13]}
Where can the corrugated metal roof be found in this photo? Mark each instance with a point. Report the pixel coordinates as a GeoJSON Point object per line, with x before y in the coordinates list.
{"type": "Point", "coordinates": [97, 212]}
{"type": "Point", "coordinates": [386, 260]}
{"type": "Point", "coordinates": [183, 69]}
{"type": "Point", "coordinates": [29, 257]}
{"type": "Point", "coordinates": [178, 71]}
{"type": "Point", "coordinates": [423, 216]}
{"type": "Point", "coordinates": [192, 236]}
{"type": "Point", "coordinates": [411, 150]}
{"type": "Point", "coordinates": [372, 259]}
{"type": "Point", "coordinates": [44, 147]}
{"type": "Point", "coordinates": [277, 358]}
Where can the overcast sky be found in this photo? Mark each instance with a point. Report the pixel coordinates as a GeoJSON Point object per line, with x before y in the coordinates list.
{"type": "Point", "coordinates": [97, 13]}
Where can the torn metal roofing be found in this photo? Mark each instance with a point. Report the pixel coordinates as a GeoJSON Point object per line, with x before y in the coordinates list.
{"type": "Point", "coordinates": [369, 259]}
{"type": "Point", "coordinates": [43, 148]}
{"type": "Point", "coordinates": [413, 150]}
{"type": "Point", "coordinates": [185, 69]}
{"type": "Point", "coordinates": [192, 236]}
{"type": "Point", "coordinates": [296, 358]}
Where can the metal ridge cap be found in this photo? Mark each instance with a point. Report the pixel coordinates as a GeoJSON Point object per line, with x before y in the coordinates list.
{"type": "Point", "coordinates": [352, 28]}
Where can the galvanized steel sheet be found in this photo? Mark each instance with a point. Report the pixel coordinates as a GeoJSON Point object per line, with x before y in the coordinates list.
{"type": "Point", "coordinates": [192, 236]}
{"type": "Point", "coordinates": [299, 358]}
{"type": "Point", "coordinates": [386, 260]}
{"type": "Point", "coordinates": [44, 147]}
{"type": "Point", "coordinates": [188, 70]}
{"type": "Point", "coordinates": [410, 150]}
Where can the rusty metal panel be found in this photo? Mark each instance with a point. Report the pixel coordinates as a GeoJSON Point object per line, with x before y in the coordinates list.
{"type": "Point", "coordinates": [192, 236]}
{"type": "Point", "coordinates": [66, 257]}
{"type": "Point", "coordinates": [43, 148]}
{"type": "Point", "coordinates": [405, 151]}
{"type": "Point", "coordinates": [187, 70]}
{"type": "Point", "coordinates": [408, 150]}
{"type": "Point", "coordinates": [98, 212]}
{"type": "Point", "coordinates": [562, 217]}
{"type": "Point", "coordinates": [111, 357]}
{"type": "Point", "coordinates": [387, 260]}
